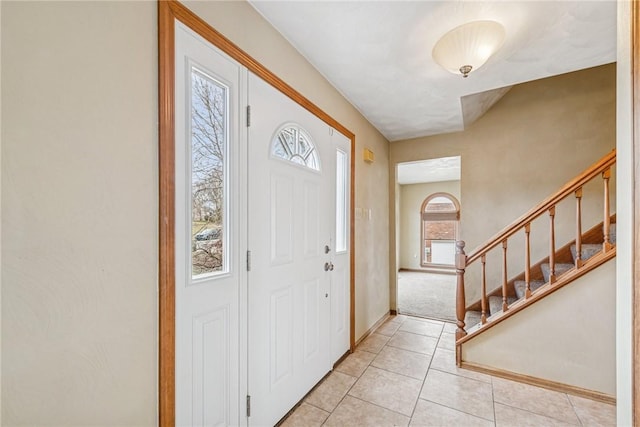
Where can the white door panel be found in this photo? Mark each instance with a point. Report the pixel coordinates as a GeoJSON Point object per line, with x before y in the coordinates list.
{"type": "Point", "coordinates": [208, 226]}
{"type": "Point", "coordinates": [276, 330]}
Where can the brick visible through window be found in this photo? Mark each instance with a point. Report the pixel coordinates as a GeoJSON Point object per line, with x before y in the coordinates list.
{"type": "Point", "coordinates": [440, 214]}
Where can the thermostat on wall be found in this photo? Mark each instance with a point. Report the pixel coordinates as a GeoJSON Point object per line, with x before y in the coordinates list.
{"type": "Point", "coordinates": [368, 155]}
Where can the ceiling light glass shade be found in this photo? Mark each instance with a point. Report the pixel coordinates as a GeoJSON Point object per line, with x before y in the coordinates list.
{"type": "Point", "coordinates": [467, 47]}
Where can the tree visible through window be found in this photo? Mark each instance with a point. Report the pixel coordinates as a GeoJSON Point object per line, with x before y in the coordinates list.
{"type": "Point", "coordinates": [439, 215]}
{"type": "Point", "coordinates": [208, 150]}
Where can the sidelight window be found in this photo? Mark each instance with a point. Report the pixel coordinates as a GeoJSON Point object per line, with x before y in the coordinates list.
{"type": "Point", "coordinates": [342, 202]}
{"type": "Point", "coordinates": [209, 141]}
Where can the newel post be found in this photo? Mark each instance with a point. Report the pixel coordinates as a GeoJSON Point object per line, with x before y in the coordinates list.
{"type": "Point", "coordinates": [461, 264]}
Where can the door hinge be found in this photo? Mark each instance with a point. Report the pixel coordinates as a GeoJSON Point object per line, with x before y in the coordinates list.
{"type": "Point", "coordinates": [248, 405]}
{"type": "Point", "coordinates": [248, 260]}
{"type": "Point", "coordinates": [248, 115]}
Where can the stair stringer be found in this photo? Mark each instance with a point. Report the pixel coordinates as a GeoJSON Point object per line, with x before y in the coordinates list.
{"type": "Point", "coordinates": [566, 338]}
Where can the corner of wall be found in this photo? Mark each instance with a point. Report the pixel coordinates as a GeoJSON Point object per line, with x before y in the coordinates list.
{"type": "Point", "coordinates": [625, 194]}
{"type": "Point", "coordinates": [394, 234]}
{"type": "Point", "coordinates": [0, 214]}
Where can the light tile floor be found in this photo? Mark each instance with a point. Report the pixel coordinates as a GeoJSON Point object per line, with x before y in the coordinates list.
{"type": "Point", "coordinates": [405, 374]}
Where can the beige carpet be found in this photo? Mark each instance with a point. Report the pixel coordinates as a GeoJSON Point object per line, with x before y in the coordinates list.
{"type": "Point", "coordinates": [427, 295]}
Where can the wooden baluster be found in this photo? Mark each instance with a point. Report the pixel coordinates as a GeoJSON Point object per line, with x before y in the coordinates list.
{"type": "Point", "coordinates": [552, 246]}
{"type": "Point", "coordinates": [527, 260]}
{"type": "Point", "coordinates": [461, 264]}
{"type": "Point", "coordinates": [578, 228]}
{"type": "Point", "coordinates": [606, 245]}
{"type": "Point", "coordinates": [483, 318]}
{"type": "Point", "coordinates": [505, 306]}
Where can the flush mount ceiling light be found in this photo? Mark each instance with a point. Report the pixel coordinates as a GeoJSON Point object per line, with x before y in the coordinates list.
{"type": "Point", "coordinates": [467, 47]}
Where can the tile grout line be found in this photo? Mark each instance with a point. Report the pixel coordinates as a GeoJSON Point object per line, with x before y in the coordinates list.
{"type": "Point", "coordinates": [354, 383]}
{"type": "Point", "coordinates": [380, 406]}
{"type": "Point", "coordinates": [493, 403]}
{"type": "Point", "coordinates": [457, 410]}
{"type": "Point", "coordinates": [311, 404]}
{"type": "Point", "coordinates": [538, 414]}
{"type": "Point", "coordinates": [342, 398]}
{"type": "Point", "coordinates": [398, 373]}
{"type": "Point", "coordinates": [419, 334]}
{"type": "Point", "coordinates": [552, 417]}
{"type": "Point", "coordinates": [461, 376]}
{"type": "Point", "coordinates": [358, 378]}
{"type": "Point", "coordinates": [406, 376]}
{"type": "Point", "coordinates": [438, 339]}
{"type": "Point", "coordinates": [574, 410]}
{"type": "Point", "coordinates": [411, 351]}
{"type": "Point", "coordinates": [425, 377]}
{"type": "Point", "coordinates": [440, 404]}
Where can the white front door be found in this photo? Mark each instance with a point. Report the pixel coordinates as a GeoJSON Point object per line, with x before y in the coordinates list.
{"type": "Point", "coordinates": [291, 177]}
{"type": "Point", "coordinates": [210, 226]}
{"type": "Point", "coordinates": [277, 329]}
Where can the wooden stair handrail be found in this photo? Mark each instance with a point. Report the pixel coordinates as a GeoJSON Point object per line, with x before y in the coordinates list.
{"type": "Point", "coordinates": [569, 188]}
{"type": "Point", "coordinates": [562, 253]}
{"type": "Point", "coordinates": [462, 260]}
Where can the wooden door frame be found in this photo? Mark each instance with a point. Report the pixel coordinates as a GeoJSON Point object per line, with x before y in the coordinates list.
{"type": "Point", "coordinates": [635, 115]}
{"type": "Point", "coordinates": [168, 12]}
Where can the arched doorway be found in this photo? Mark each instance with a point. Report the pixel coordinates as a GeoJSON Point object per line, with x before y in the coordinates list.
{"type": "Point", "coordinates": [439, 220]}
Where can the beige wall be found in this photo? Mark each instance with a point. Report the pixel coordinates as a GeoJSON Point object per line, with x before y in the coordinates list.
{"type": "Point", "coordinates": [535, 139]}
{"type": "Point", "coordinates": [372, 235]}
{"type": "Point", "coordinates": [79, 200]}
{"type": "Point", "coordinates": [79, 189]}
{"type": "Point", "coordinates": [411, 198]}
{"type": "Point", "coordinates": [543, 341]}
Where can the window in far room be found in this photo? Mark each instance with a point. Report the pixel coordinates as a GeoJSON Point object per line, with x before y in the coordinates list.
{"type": "Point", "coordinates": [440, 215]}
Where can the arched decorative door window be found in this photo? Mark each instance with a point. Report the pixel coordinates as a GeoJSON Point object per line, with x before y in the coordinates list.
{"type": "Point", "coordinates": [439, 219]}
{"type": "Point", "coordinates": [293, 144]}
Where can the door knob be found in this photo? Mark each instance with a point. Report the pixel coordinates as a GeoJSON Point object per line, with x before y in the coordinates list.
{"type": "Point", "coordinates": [331, 266]}
{"type": "Point", "coordinates": [327, 266]}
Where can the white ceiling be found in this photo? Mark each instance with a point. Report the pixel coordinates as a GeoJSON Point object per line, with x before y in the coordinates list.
{"type": "Point", "coordinates": [378, 53]}
{"type": "Point", "coordinates": [434, 170]}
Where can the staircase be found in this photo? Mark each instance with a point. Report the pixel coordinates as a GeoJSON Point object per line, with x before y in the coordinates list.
{"type": "Point", "coordinates": [588, 251]}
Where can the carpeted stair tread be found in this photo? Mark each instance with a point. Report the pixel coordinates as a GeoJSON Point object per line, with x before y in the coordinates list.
{"type": "Point", "coordinates": [560, 269]}
{"type": "Point", "coordinates": [495, 304]}
{"type": "Point", "coordinates": [520, 286]}
{"type": "Point", "coordinates": [588, 250]}
{"type": "Point", "coordinates": [612, 233]}
{"type": "Point", "coordinates": [472, 318]}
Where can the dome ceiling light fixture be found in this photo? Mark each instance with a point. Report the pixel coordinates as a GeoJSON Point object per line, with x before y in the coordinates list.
{"type": "Point", "coordinates": [467, 47]}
